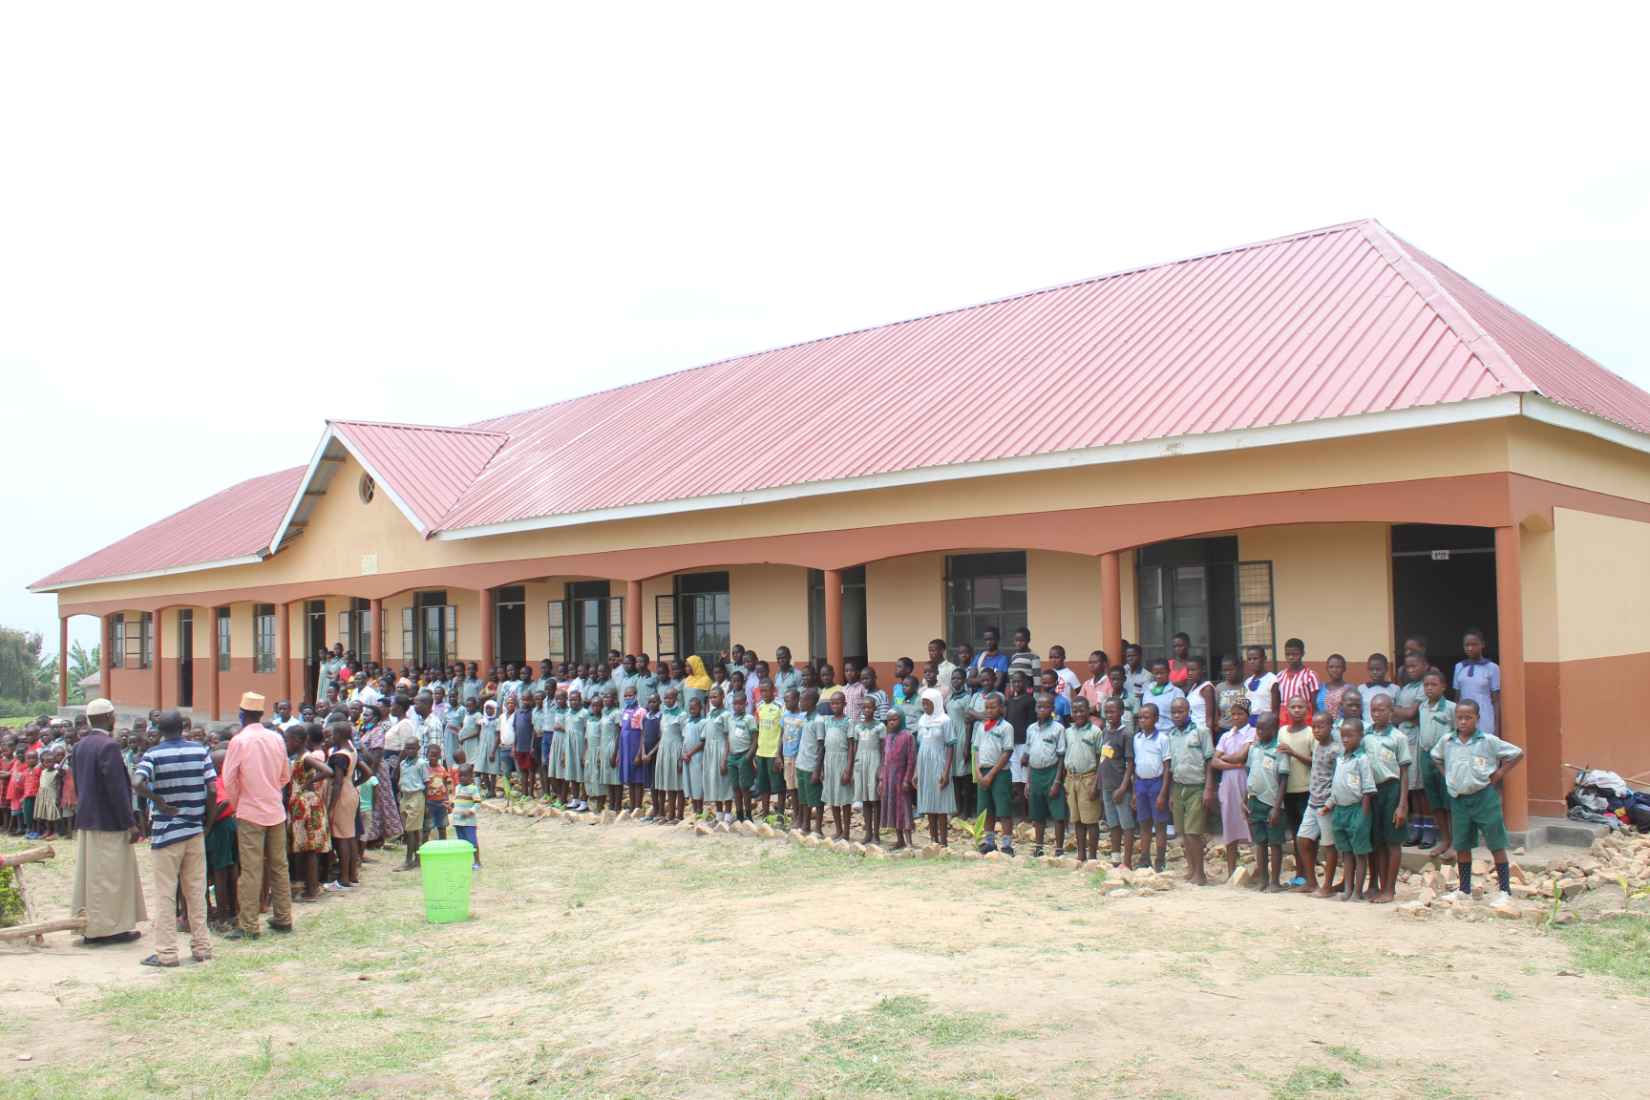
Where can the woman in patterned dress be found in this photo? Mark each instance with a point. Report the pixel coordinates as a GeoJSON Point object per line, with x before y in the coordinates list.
{"type": "Point", "coordinates": [311, 826]}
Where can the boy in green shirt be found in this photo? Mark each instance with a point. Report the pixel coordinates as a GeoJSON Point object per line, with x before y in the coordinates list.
{"type": "Point", "coordinates": [1352, 792]}
{"type": "Point", "coordinates": [1436, 721]}
{"type": "Point", "coordinates": [1473, 763]}
{"type": "Point", "coordinates": [1268, 776]}
{"type": "Point", "coordinates": [1192, 785]}
{"type": "Point", "coordinates": [1388, 751]}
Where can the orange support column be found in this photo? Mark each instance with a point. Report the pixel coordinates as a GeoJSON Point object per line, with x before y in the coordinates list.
{"type": "Point", "coordinates": [833, 619]}
{"type": "Point", "coordinates": [154, 654]}
{"type": "Point", "coordinates": [486, 634]}
{"type": "Point", "coordinates": [375, 627]}
{"type": "Point", "coordinates": [62, 662]}
{"type": "Point", "coordinates": [104, 660]}
{"type": "Point", "coordinates": [1111, 607]}
{"type": "Point", "coordinates": [214, 675]}
{"type": "Point", "coordinates": [283, 640]}
{"type": "Point", "coordinates": [1509, 614]}
{"type": "Point", "coordinates": [633, 617]}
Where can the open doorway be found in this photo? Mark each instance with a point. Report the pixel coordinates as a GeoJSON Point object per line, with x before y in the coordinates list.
{"type": "Point", "coordinates": [510, 624]}
{"type": "Point", "coordinates": [315, 633]}
{"type": "Point", "coordinates": [186, 658]}
{"type": "Point", "coordinates": [1443, 583]}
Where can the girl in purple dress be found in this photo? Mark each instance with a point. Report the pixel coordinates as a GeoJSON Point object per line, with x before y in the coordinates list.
{"type": "Point", "coordinates": [899, 767]}
{"type": "Point", "coordinates": [635, 775]}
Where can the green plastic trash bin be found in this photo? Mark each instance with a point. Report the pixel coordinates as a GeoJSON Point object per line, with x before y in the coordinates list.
{"type": "Point", "coordinates": [446, 872]}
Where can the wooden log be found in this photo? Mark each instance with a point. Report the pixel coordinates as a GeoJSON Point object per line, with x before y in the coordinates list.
{"type": "Point", "coordinates": [33, 855]}
{"type": "Point", "coordinates": [40, 928]}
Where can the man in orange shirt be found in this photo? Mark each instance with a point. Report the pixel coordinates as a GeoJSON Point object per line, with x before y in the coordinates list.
{"type": "Point", "coordinates": [254, 770]}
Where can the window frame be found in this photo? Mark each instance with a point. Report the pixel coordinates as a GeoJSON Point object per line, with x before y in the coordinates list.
{"type": "Point", "coordinates": [963, 572]}
{"type": "Point", "coordinates": [222, 633]}
{"type": "Point", "coordinates": [266, 644]}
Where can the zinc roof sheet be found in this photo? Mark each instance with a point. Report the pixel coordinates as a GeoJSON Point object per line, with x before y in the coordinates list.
{"type": "Point", "coordinates": [1334, 322]}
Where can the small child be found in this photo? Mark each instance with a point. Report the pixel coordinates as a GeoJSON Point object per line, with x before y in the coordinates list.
{"type": "Point", "coordinates": [1082, 764]}
{"type": "Point", "coordinates": [868, 735]}
{"type": "Point", "coordinates": [1268, 777]}
{"type": "Point", "coordinates": [415, 773]}
{"type": "Point", "coordinates": [31, 791]}
{"type": "Point", "coordinates": [1406, 712]}
{"type": "Point", "coordinates": [466, 797]}
{"type": "Point", "coordinates": [1046, 773]}
{"type": "Point", "coordinates": [1116, 780]}
{"type": "Point", "coordinates": [741, 752]}
{"type": "Point", "coordinates": [1161, 694]}
{"type": "Point", "coordinates": [609, 733]}
{"type": "Point", "coordinates": [1388, 751]}
{"type": "Point", "coordinates": [993, 752]}
{"type": "Point", "coordinates": [667, 763]}
{"type": "Point", "coordinates": [438, 792]}
{"type": "Point", "coordinates": [1191, 785]}
{"type": "Point", "coordinates": [693, 744]}
{"type": "Point", "coordinates": [1316, 829]}
{"type": "Point", "coordinates": [1473, 763]}
{"type": "Point", "coordinates": [1437, 721]}
{"type": "Point", "coordinates": [1352, 790]}
{"type": "Point", "coordinates": [841, 742]}
{"type": "Point", "coordinates": [809, 761]}
{"type": "Point", "coordinates": [899, 766]}
{"type": "Point", "coordinates": [1151, 806]}
{"type": "Point", "coordinates": [46, 802]}
{"type": "Point", "coordinates": [1295, 741]}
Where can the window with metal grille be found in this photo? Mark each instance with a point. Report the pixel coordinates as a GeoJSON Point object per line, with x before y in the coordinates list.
{"type": "Point", "coordinates": [117, 641]}
{"type": "Point", "coordinates": [223, 623]}
{"type": "Point", "coordinates": [263, 637]}
{"type": "Point", "coordinates": [984, 590]}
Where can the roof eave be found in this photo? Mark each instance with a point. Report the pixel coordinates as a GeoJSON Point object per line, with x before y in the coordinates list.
{"type": "Point", "coordinates": [196, 567]}
{"type": "Point", "coordinates": [1483, 408]}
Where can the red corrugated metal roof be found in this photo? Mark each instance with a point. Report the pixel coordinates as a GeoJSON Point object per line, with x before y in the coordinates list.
{"type": "Point", "coordinates": [235, 523]}
{"type": "Point", "coordinates": [1335, 322]}
{"type": "Point", "coordinates": [425, 467]}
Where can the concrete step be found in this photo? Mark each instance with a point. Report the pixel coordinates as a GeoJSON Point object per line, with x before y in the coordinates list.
{"type": "Point", "coordinates": [1563, 831]}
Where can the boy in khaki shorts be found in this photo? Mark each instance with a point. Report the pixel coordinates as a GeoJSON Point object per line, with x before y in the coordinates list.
{"type": "Point", "coordinates": [1191, 786]}
{"type": "Point", "coordinates": [1083, 779]}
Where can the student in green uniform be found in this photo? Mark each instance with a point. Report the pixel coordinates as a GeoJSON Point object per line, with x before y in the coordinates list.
{"type": "Point", "coordinates": [667, 762]}
{"type": "Point", "coordinates": [770, 766]}
{"type": "Point", "coordinates": [840, 742]}
{"type": "Point", "coordinates": [1046, 774]}
{"type": "Point", "coordinates": [1474, 763]}
{"type": "Point", "coordinates": [741, 755]}
{"type": "Point", "coordinates": [1406, 713]}
{"type": "Point", "coordinates": [958, 707]}
{"type": "Point", "coordinates": [1388, 751]}
{"type": "Point", "coordinates": [1317, 830]}
{"type": "Point", "coordinates": [1191, 785]}
{"type": "Point", "coordinates": [1268, 777]}
{"type": "Point", "coordinates": [1083, 779]}
{"type": "Point", "coordinates": [810, 756]}
{"type": "Point", "coordinates": [1436, 718]}
{"type": "Point", "coordinates": [993, 746]}
{"type": "Point", "coordinates": [1116, 780]}
{"type": "Point", "coordinates": [1352, 791]}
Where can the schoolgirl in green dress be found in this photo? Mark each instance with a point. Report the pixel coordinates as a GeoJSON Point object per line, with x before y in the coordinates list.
{"type": "Point", "coordinates": [715, 776]}
{"type": "Point", "coordinates": [840, 740]}
{"type": "Point", "coordinates": [667, 766]}
{"type": "Point", "coordinates": [868, 767]}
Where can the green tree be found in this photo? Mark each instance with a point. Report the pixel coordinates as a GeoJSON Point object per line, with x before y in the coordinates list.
{"type": "Point", "coordinates": [81, 665]}
{"type": "Point", "coordinates": [20, 665]}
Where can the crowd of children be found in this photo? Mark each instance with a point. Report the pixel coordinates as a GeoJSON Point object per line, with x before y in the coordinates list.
{"type": "Point", "coordinates": [1343, 774]}
{"type": "Point", "coordinates": [1271, 758]}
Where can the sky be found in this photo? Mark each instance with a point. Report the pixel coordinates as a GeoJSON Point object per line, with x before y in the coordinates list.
{"type": "Point", "coordinates": [222, 224]}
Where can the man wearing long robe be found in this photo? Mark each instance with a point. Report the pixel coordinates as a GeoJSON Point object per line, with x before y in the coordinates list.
{"type": "Point", "coordinates": [107, 890]}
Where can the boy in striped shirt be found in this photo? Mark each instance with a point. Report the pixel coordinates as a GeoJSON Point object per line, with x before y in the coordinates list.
{"type": "Point", "coordinates": [178, 779]}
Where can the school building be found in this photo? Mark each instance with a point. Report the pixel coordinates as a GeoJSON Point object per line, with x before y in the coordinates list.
{"type": "Point", "coordinates": [1330, 435]}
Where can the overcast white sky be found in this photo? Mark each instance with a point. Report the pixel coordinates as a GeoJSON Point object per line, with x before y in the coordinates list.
{"type": "Point", "coordinates": [222, 223]}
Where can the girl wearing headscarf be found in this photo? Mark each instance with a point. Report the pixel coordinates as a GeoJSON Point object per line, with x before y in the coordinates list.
{"type": "Point", "coordinates": [490, 765]}
{"type": "Point", "coordinates": [898, 767]}
{"type": "Point", "coordinates": [936, 744]}
{"type": "Point", "coordinates": [696, 684]}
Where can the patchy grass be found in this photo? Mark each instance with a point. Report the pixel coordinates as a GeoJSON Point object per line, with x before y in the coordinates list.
{"type": "Point", "coordinates": [1618, 947]}
{"type": "Point", "coordinates": [1352, 1056]}
{"type": "Point", "coordinates": [1309, 1082]}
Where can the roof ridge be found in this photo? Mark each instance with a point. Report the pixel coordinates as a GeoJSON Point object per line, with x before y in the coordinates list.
{"type": "Point", "coordinates": [1004, 299]}
{"type": "Point", "coordinates": [460, 429]}
{"type": "Point", "coordinates": [1400, 254]}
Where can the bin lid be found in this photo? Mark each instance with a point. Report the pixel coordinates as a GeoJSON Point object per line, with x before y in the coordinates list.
{"type": "Point", "coordinates": [446, 847]}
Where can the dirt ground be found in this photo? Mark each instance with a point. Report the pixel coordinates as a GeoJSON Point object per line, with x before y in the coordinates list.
{"type": "Point", "coordinates": [634, 960]}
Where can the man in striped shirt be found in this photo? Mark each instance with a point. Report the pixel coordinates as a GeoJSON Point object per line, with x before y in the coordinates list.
{"type": "Point", "coordinates": [177, 776]}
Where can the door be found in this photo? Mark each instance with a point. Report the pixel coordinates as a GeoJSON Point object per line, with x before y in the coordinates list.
{"type": "Point", "coordinates": [510, 624]}
{"type": "Point", "coordinates": [664, 633]}
{"type": "Point", "coordinates": [1443, 584]}
{"type": "Point", "coordinates": [186, 658]}
{"type": "Point", "coordinates": [1197, 587]}
{"type": "Point", "coordinates": [315, 633]}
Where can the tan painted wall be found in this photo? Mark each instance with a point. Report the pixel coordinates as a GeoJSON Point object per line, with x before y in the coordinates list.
{"type": "Point", "coordinates": [1570, 458]}
{"type": "Point", "coordinates": [770, 608]}
{"type": "Point", "coordinates": [1331, 585]}
{"type": "Point", "coordinates": [1538, 581]}
{"type": "Point", "coordinates": [1602, 570]}
{"type": "Point", "coordinates": [1063, 602]}
{"type": "Point", "coordinates": [904, 606]}
{"type": "Point", "coordinates": [342, 529]}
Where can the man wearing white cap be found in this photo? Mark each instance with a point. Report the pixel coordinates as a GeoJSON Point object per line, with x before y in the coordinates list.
{"type": "Point", "coordinates": [106, 885]}
{"type": "Point", "coordinates": [254, 770]}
